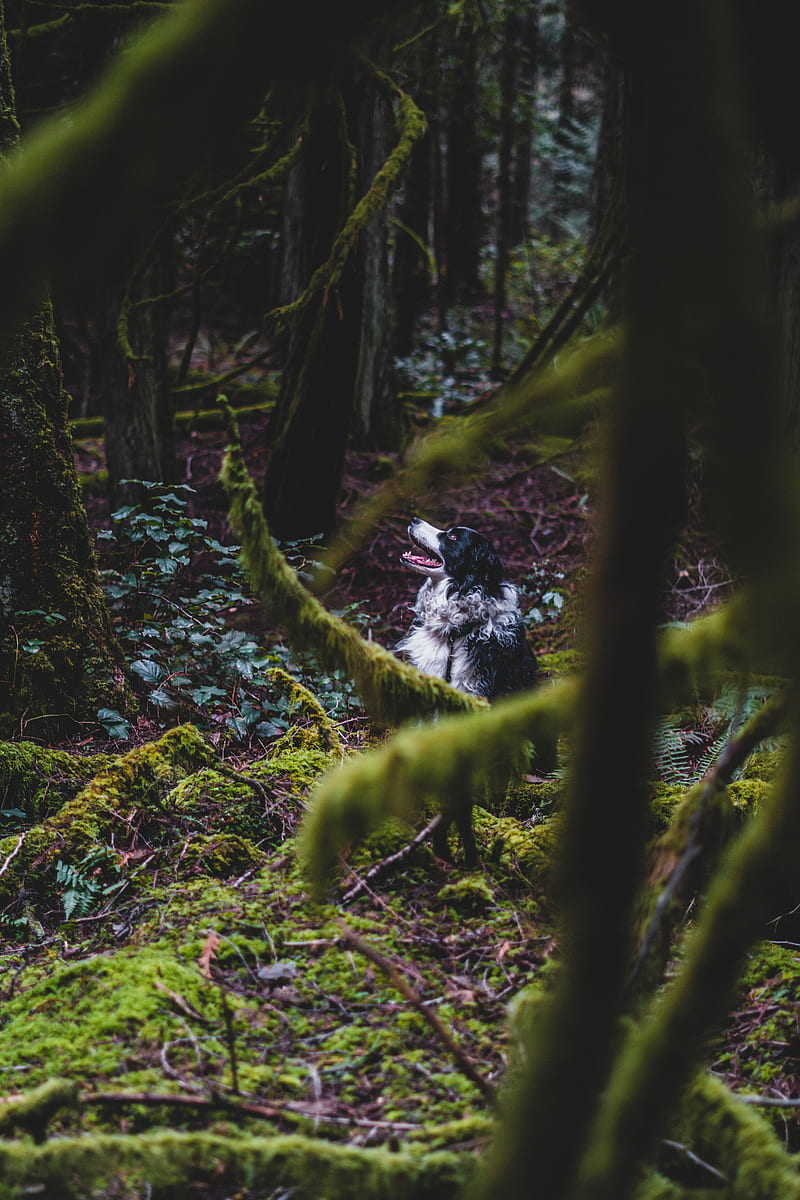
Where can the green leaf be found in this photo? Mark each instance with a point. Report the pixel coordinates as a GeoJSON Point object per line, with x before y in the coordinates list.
{"type": "Point", "coordinates": [151, 672]}
{"type": "Point", "coordinates": [114, 723]}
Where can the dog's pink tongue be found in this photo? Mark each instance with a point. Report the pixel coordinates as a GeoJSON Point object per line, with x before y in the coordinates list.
{"type": "Point", "coordinates": [420, 560]}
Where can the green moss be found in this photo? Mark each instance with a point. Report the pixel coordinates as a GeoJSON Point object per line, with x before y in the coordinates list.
{"type": "Point", "coordinates": [663, 800]}
{"type": "Point", "coordinates": [173, 1163]}
{"type": "Point", "coordinates": [756, 1053]}
{"type": "Point", "coordinates": [470, 894]}
{"type": "Point", "coordinates": [106, 1016]}
{"type": "Point", "coordinates": [764, 763]}
{"type": "Point", "coordinates": [138, 780]}
{"type": "Point", "coordinates": [38, 780]}
{"type": "Point", "coordinates": [561, 662]}
{"type": "Point", "coordinates": [220, 855]}
{"type": "Point", "coordinates": [747, 795]}
{"type": "Point", "coordinates": [527, 801]}
{"type": "Point", "coordinates": [317, 731]}
{"type": "Point", "coordinates": [519, 855]}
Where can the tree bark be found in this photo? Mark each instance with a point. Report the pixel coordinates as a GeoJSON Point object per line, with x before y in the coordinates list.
{"type": "Point", "coordinates": [462, 217]}
{"type": "Point", "coordinates": [509, 70]}
{"type": "Point", "coordinates": [525, 124]}
{"type": "Point", "coordinates": [411, 273]}
{"type": "Point", "coordinates": [312, 417]}
{"type": "Point", "coordinates": [132, 377]}
{"type": "Point", "coordinates": [58, 654]}
{"type": "Point", "coordinates": [377, 423]}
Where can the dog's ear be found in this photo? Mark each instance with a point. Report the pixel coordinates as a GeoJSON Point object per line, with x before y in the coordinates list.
{"type": "Point", "coordinates": [484, 568]}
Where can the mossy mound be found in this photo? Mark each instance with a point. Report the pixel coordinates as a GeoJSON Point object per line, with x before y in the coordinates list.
{"type": "Point", "coordinates": [166, 803]}
{"type": "Point", "coordinates": [36, 781]}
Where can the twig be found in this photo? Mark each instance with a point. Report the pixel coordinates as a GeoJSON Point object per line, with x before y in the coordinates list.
{"type": "Point", "coordinates": [242, 777]}
{"type": "Point", "coordinates": [230, 1037]}
{"type": "Point", "coordinates": [393, 860]}
{"type": "Point", "coordinates": [13, 853]}
{"type": "Point", "coordinates": [693, 1158]}
{"type": "Point", "coordinates": [388, 968]}
{"type": "Point", "coordinates": [767, 1101]}
{"type": "Point", "coordinates": [250, 1108]}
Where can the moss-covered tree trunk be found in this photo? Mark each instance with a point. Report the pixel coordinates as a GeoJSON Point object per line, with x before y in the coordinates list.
{"type": "Point", "coordinates": [58, 655]}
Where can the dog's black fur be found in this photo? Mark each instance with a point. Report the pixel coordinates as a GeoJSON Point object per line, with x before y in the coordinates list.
{"type": "Point", "coordinates": [468, 627]}
{"type": "Point", "coordinates": [467, 630]}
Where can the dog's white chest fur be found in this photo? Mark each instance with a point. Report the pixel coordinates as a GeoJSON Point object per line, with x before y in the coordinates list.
{"type": "Point", "coordinates": [436, 643]}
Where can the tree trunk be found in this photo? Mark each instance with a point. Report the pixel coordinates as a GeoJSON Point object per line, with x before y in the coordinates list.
{"type": "Point", "coordinates": [786, 283]}
{"type": "Point", "coordinates": [58, 654]}
{"type": "Point", "coordinates": [378, 423]}
{"type": "Point", "coordinates": [509, 71]}
{"type": "Point", "coordinates": [462, 231]}
{"type": "Point", "coordinates": [525, 123]}
{"type": "Point", "coordinates": [562, 200]}
{"type": "Point", "coordinates": [307, 436]}
{"type": "Point", "coordinates": [411, 272]}
{"type": "Point", "coordinates": [131, 366]}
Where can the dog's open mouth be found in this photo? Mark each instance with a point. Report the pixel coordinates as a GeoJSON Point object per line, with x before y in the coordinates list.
{"type": "Point", "coordinates": [421, 556]}
{"type": "Point", "coordinates": [421, 560]}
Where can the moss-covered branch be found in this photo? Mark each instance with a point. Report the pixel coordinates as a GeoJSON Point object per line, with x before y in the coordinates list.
{"type": "Point", "coordinates": [446, 762]}
{"type": "Point", "coordinates": [391, 691]}
{"type": "Point", "coordinates": [31, 1112]}
{"type": "Point", "coordinates": [148, 128]}
{"type": "Point", "coordinates": [268, 1164]}
{"type": "Point", "coordinates": [560, 400]}
{"type": "Point", "coordinates": [739, 1142]}
{"type": "Point", "coordinates": [412, 125]}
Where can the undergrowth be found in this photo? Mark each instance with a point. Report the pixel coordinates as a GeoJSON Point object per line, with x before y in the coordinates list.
{"type": "Point", "coordinates": [177, 594]}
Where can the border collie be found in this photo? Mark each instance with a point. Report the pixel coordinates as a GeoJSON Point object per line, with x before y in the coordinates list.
{"type": "Point", "coordinates": [468, 629]}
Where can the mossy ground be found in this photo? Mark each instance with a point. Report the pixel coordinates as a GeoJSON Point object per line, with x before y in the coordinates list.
{"type": "Point", "coordinates": [210, 972]}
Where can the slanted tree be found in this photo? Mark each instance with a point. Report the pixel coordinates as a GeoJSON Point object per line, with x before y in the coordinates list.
{"type": "Point", "coordinates": [58, 654]}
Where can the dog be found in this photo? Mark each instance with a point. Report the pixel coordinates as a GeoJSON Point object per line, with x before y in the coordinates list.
{"type": "Point", "coordinates": [468, 629]}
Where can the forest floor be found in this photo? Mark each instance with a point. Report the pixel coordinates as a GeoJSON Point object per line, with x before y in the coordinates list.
{"type": "Point", "coordinates": [162, 949]}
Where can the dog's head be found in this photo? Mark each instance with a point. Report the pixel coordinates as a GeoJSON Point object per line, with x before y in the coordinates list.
{"type": "Point", "coordinates": [465, 557]}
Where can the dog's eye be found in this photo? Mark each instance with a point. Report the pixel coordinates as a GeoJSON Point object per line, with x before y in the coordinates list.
{"type": "Point", "coordinates": [451, 536]}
